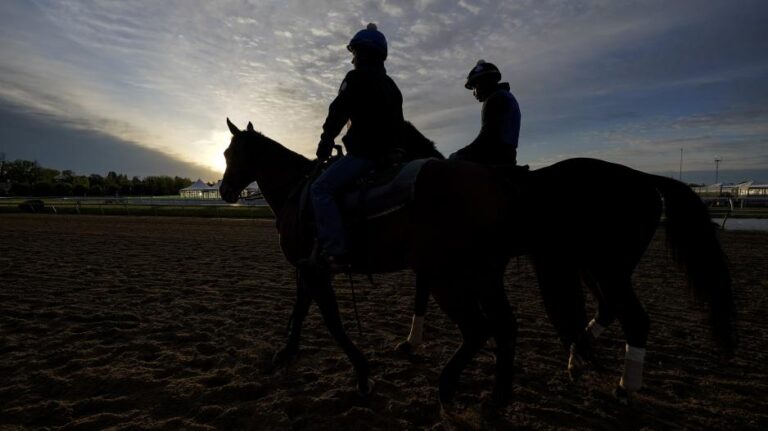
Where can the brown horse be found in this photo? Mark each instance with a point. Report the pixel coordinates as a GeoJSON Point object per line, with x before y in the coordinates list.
{"type": "Point", "coordinates": [598, 242]}
{"type": "Point", "coordinates": [449, 235]}
{"type": "Point", "coordinates": [464, 224]}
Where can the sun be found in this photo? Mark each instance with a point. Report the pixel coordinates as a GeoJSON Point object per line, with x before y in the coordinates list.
{"type": "Point", "coordinates": [218, 163]}
{"type": "Point", "coordinates": [211, 150]}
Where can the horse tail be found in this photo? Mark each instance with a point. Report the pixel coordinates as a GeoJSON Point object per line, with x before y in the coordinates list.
{"type": "Point", "coordinates": [693, 243]}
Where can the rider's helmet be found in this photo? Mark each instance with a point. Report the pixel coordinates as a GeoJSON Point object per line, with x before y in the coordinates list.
{"type": "Point", "coordinates": [483, 71]}
{"type": "Point", "coordinates": [369, 40]}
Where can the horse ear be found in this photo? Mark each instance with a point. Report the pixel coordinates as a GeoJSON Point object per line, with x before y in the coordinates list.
{"type": "Point", "coordinates": [232, 127]}
{"type": "Point", "coordinates": [250, 127]}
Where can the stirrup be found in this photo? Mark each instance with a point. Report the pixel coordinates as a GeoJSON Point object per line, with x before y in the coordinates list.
{"type": "Point", "coordinates": [334, 264]}
{"type": "Point", "coordinates": [324, 263]}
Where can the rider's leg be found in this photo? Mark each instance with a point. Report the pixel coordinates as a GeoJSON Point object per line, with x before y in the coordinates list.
{"type": "Point", "coordinates": [330, 229]}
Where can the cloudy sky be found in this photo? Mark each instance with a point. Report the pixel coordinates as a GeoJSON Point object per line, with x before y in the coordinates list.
{"type": "Point", "coordinates": [144, 87]}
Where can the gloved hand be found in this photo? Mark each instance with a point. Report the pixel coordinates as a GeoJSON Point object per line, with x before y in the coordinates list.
{"type": "Point", "coordinates": [324, 150]}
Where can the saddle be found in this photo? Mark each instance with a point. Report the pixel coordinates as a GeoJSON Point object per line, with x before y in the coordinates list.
{"type": "Point", "coordinates": [382, 191]}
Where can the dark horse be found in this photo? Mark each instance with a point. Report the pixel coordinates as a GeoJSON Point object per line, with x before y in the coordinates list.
{"type": "Point", "coordinates": [464, 224]}
{"type": "Point", "coordinates": [597, 241]}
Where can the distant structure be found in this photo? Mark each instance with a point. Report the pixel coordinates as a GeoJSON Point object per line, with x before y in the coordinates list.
{"type": "Point", "coordinates": [201, 190]}
{"type": "Point", "coordinates": [744, 194]}
{"type": "Point", "coordinates": [743, 189]}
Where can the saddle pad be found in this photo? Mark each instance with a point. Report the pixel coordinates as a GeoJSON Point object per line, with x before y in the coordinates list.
{"type": "Point", "coordinates": [384, 199]}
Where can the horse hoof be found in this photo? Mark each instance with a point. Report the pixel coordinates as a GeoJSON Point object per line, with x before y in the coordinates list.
{"type": "Point", "coordinates": [365, 389]}
{"type": "Point", "coordinates": [404, 347]}
{"type": "Point", "coordinates": [445, 396]}
{"type": "Point", "coordinates": [575, 373]}
{"type": "Point", "coordinates": [622, 395]}
{"type": "Point", "coordinates": [447, 409]}
{"type": "Point", "coordinates": [407, 348]}
{"type": "Point", "coordinates": [284, 356]}
{"type": "Point", "coordinates": [576, 366]}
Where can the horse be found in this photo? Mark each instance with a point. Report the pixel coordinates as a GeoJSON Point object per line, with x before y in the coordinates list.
{"type": "Point", "coordinates": [465, 223]}
{"type": "Point", "coordinates": [449, 235]}
{"type": "Point", "coordinates": [598, 244]}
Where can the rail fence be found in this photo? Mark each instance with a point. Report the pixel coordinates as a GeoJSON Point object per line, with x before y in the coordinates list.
{"type": "Point", "coordinates": [137, 207]}
{"type": "Point", "coordinates": [177, 207]}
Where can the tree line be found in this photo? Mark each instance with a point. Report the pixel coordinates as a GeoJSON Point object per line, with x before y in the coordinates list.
{"type": "Point", "coordinates": [28, 178]}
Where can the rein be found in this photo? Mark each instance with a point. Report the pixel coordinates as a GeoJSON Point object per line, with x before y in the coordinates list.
{"type": "Point", "coordinates": [253, 196]}
{"type": "Point", "coordinates": [298, 187]}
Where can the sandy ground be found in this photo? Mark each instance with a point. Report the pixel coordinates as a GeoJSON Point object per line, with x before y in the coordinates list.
{"type": "Point", "coordinates": [164, 323]}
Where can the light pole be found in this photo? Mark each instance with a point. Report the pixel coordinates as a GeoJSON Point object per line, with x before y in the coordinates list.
{"type": "Point", "coordinates": [717, 167]}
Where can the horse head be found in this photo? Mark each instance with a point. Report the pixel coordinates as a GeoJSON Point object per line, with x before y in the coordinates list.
{"type": "Point", "coordinates": [251, 157]}
{"type": "Point", "coordinates": [239, 156]}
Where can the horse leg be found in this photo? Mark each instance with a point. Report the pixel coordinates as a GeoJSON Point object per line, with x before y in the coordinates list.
{"type": "Point", "coordinates": [560, 286]}
{"type": "Point", "coordinates": [474, 332]}
{"type": "Point", "coordinates": [503, 324]}
{"type": "Point", "coordinates": [581, 350]}
{"type": "Point", "coordinates": [604, 316]}
{"type": "Point", "coordinates": [300, 310]}
{"type": "Point", "coordinates": [416, 335]}
{"type": "Point", "coordinates": [323, 294]}
{"type": "Point", "coordinates": [635, 323]}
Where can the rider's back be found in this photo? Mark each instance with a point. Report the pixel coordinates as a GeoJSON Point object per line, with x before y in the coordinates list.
{"type": "Point", "coordinates": [375, 108]}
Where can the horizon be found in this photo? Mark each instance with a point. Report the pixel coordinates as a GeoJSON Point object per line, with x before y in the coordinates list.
{"type": "Point", "coordinates": [143, 88]}
{"type": "Point", "coordinates": [689, 177]}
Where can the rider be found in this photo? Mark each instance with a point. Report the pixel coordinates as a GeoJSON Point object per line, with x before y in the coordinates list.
{"type": "Point", "coordinates": [370, 100]}
{"type": "Point", "coordinates": [496, 144]}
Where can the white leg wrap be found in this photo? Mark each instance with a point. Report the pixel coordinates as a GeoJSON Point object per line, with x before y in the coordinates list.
{"type": "Point", "coordinates": [417, 331]}
{"type": "Point", "coordinates": [595, 328]}
{"type": "Point", "coordinates": [575, 362]}
{"type": "Point", "coordinates": [632, 380]}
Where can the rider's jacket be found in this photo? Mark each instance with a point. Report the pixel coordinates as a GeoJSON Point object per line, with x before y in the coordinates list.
{"type": "Point", "coordinates": [371, 101]}
{"type": "Point", "coordinates": [497, 141]}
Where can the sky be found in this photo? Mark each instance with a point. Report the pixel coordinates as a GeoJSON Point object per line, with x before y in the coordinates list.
{"type": "Point", "coordinates": [144, 87]}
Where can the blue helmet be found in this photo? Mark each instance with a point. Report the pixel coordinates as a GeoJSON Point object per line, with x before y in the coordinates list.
{"type": "Point", "coordinates": [483, 71]}
{"type": "Point", "coordinates": [369, 39]}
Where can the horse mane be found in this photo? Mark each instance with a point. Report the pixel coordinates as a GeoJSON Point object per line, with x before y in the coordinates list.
{"type": "Point", "coordinates": [277, 153]}
{"type": "Point", "coordinates": [418, 146]}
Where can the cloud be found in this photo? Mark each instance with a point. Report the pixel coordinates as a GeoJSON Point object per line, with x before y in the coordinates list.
{"type": "Point", "coordinates": [66, 145]}
{"type": "Point", "coordinates": [592, 77]}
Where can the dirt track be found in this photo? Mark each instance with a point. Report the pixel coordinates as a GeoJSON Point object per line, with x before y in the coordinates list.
{"type": "Point", "coordinates": [136, 323]}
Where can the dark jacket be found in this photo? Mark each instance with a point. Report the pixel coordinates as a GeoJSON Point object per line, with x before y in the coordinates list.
{"type": "Point", "coordinates": [372, 102]}
{"type": "Point", "coordinates": [497, 141]}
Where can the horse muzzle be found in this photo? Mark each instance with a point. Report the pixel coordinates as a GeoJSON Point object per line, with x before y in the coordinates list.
{"type": "Point", "coordinates": [228, 193]}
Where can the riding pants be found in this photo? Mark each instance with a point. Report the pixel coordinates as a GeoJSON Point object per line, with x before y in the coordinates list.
{"type": "Point", "coordinates": [330, 228]}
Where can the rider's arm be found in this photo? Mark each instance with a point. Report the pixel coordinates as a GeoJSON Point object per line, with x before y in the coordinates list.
{"type": "Point", "coordinates": [490, 131]}
{"type": "Point", "coordinates": [340, 109]}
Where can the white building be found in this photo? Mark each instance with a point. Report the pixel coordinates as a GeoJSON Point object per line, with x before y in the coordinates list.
{"type": "Point", "coordinates": [201, 190]}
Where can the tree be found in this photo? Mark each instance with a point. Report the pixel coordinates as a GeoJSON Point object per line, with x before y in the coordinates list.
{"type": "Point", "coordinates": [47, 175]}
{"type": "Point", "coordinates": [62, 189]}
{"type": "Point", "coordinates": [21, 189]}
{"type": "Point", "coordinates": [3, 174]}
{"type": "Point", "coordinates": [42, 188]}
{"type": "Point", "coordinates": [96, 190]}
{"type": "Point", "coordinates": [67, 176]}
{"type": "Point", "coordinates": [137, 186]}
{"type": "Point", "coordinates": [22, 171]}
{"type": "Point", "coordinates": [180, 183]}
{"type": "Point", "coordinates": [24, 177]}
{"type": "Point", "coordinates": [79, 190]}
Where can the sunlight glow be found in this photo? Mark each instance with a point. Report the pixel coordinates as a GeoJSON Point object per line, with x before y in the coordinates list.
{"type": "Point", "coordinates": [211, 150]}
